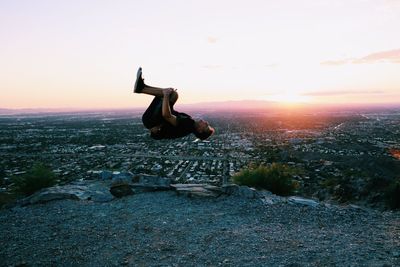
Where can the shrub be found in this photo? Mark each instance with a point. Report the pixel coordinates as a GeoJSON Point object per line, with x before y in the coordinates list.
{"type": "Point", "coordinates": [276, 178]}
{"type": "Point", "coordinates": [392, 195]}
{"type": "Point", "coordinates": [38, 177]}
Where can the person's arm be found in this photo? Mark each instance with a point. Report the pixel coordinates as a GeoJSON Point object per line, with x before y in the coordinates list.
{"type": "Point", "coordinates": [166, 109]}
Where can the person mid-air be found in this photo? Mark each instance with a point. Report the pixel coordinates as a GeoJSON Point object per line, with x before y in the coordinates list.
{"type": "Point", "coordinates": [162, 120]}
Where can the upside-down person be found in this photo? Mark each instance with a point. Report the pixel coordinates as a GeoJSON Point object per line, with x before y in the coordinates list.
{"type": "Point", "coordinates": [162, 120]}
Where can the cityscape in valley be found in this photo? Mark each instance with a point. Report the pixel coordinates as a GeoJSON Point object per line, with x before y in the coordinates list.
{"type": "Point", "coordinates": [345, 156]}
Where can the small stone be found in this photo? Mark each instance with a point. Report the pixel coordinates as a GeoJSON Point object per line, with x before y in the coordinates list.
{"type": "Point", "coordinates": [303, 201]}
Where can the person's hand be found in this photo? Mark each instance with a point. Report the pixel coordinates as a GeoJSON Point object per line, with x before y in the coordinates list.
{"type": "Point", "coordinates": [155, 129]}
{"type": "Point", "coordinates": [168, 91]}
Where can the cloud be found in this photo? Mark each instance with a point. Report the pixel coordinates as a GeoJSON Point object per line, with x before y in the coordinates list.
{"type": "Point", "coordinates": [390, 56]}
{"type": "Point", "coordinates": [336, 93]}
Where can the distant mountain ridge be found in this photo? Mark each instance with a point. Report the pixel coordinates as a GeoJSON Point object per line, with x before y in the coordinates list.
{"type": "Point", "coordinates": [239, 105]}
{"type": "Point", "coordinates": [229, 106]}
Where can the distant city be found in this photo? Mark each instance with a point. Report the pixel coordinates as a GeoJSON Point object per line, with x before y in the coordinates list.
{"type": "Point", "coordinates": [361, 147]}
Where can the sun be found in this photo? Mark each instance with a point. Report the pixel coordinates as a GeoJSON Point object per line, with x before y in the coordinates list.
{"type": "Point", "coordinates": [289, 98]}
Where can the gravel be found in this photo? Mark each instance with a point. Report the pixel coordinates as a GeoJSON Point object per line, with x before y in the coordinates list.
{"type": "Point", "coordinates": [163, 229]}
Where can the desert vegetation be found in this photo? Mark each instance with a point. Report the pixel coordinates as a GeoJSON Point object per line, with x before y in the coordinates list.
{"type": "Point", "coordinates": [38, 177]}
{"type": "Point", "coordinates": [276, 178]}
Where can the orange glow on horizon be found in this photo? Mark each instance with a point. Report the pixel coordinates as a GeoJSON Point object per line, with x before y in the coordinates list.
{"type": "Point", "coordinates": [289, 98]}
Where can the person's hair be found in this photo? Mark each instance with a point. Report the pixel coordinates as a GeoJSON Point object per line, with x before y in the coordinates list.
{"type": "Point", "coordinates": [204, 135]}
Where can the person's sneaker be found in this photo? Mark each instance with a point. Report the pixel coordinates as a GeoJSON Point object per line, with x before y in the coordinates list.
{"type": "Point", "coordinates": [139, 83]}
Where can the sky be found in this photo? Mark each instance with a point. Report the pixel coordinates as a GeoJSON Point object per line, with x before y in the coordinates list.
{"type": "Point", "coordinates": [85, 54]}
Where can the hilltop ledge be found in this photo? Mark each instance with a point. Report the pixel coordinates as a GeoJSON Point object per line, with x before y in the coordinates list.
{"type": "Point", "coordinates": [166, 228]}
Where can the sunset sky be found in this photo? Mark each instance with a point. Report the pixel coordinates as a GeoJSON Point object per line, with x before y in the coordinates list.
{"type": "Point", "coordinates": [84, 54]}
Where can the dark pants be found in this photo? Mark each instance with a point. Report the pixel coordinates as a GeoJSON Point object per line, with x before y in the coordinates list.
{"type": "Point", "coordinates": [153, 114]}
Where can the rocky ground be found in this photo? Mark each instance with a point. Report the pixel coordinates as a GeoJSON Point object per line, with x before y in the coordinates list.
{"type": "Point", "coordinates": [166, 229]}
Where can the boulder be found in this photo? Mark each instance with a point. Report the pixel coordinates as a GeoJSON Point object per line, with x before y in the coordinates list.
{"type": "Point", "coordinates": [269, 198]}
{"type": "Point", "coordinates": [47, 196]}
{"type": "Point", "coordinates": [98, 192]}
{"type": "Point", "coordinates": [121, 190]}
{"type": "Point", "coordinates": [322, 194]}
{"type": "Point", "coordinates": [241, 191]}
{"type": "Point", "coordinates": [247, 192]}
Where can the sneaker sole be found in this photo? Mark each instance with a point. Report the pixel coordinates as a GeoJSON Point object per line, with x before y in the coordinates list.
{"type": "Point", "coordinates": [138, 76]}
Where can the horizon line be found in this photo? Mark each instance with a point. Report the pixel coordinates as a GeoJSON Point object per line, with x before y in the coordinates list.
{"type": "Point", "coordinates": [219, 106]}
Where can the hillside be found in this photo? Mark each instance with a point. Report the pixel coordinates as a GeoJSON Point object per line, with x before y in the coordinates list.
{"type": "Point", "coordinates": [166, 229]}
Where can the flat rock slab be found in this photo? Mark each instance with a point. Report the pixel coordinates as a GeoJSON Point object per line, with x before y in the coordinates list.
{"type": "Point", "coordinates": [197, 190]}
{"type": "Point", "coordinates": [94, 191]}
{"type": "Point", "coordinates": [139, 187]}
